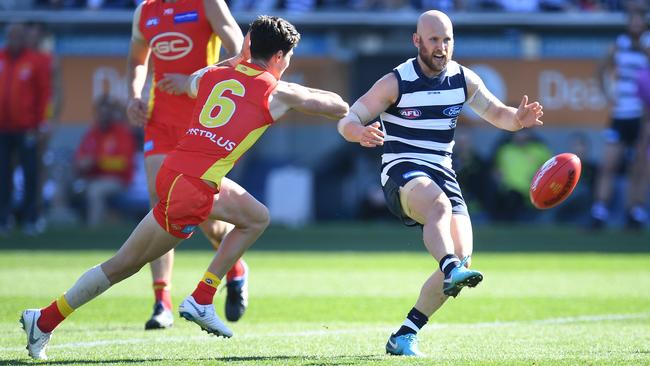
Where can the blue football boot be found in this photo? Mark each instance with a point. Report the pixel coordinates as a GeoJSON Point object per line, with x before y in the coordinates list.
{"type": "Point", "coordinates": [460, 277]}
{"type": "Point", "coordinates": [404, 345]}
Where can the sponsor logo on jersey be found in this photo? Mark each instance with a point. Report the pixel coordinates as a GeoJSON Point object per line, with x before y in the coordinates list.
{"type": "Point", "coordinates": [190, 16]}
{"type": "Point", "coordinates": [171, 45]}
{"type": "Point", "coordinates": [410, 113]}
{"type": "Point", "coordinates": [219, 140]}
{"type": "Point", "coordinates": [151, 22]}
{"type": "Point", "coordinates": [452, 123]}
{"type": "Point", "coordinates": [168, 11]}
{"type": "Point", "coordinates": [452, 111]}
{"type": "Point", "coordinates": [415, 173]}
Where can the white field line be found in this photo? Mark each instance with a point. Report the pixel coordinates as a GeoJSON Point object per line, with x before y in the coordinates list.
{"type": "Point", "coordinates": [356, 330]}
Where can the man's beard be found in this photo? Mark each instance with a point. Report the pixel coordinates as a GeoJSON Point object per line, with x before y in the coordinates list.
{"type": "Point", "coordinates": [428, 60]}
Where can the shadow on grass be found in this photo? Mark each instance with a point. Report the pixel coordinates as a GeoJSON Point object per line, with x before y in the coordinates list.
{"type": "Point", "coordinates": [303, 360]}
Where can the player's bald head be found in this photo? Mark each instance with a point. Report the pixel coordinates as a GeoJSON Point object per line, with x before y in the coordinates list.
{"type": "Point", "coordinates": [433, 19]}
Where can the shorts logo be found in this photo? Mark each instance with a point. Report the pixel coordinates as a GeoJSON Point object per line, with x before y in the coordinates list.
{"type": "Point", "coordinates": [190, 16]}
{"type": "Point", "coordinates": [171, 45]}
{"type": "Point", "coordinates": [168, 11]}
{"type": "Point", "coordinates": [152, 22]}
{"type": "Point", "coordinates": [410, 113]}
{"type": "Point", "coordinates": [414, 174]}
{"type": "Point", "coordinates": [188, 229]}
{"type": "Point", "coordinates": [452, 111]}
{"type": "Point", "coordinates": [148, 146]}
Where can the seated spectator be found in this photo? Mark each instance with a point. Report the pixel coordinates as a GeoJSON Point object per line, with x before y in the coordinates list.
{"type": "Point", "coordinates": [104, 158]}
{"type": "Point", "coordinates": [515, 164]}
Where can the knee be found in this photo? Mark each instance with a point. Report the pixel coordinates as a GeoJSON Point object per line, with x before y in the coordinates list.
{"type": "Point", "coordinates": [440, 207]}
{"type": "Point", "coordinates": [120, 267]}
{"type": "Point", "coordinates": [261, 218]}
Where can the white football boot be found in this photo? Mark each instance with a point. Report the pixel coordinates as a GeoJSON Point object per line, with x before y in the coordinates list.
{"type": "Point", "coordinates": [204, 316]}
{"type": "Point", "coordinates": [37, 340]}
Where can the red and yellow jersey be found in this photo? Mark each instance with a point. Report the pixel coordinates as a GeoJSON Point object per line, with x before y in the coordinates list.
{"type": "Point", "coordinates": [24, 91]}
{"type": "Point", "coordinates": [181, 41]}
{"type": "Point", "coordinates": [231, 113]}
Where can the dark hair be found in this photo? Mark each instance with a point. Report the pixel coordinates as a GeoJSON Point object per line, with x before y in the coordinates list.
{"type": "Point", "coordinates": [270, 34]}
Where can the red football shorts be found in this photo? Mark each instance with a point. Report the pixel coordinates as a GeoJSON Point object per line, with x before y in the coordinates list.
{"type": "Point", "coordinates": [161, 138]}
{"type": "Point", "coordinates": [184, 203]}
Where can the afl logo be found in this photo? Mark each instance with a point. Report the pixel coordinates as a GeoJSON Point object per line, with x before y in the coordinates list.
{"type": "Point", "coordinates": [452, 111]}
{"type": "Point", "coordinates": [410, 113]}
{"type": "Point", "coordinates": [171, 45]}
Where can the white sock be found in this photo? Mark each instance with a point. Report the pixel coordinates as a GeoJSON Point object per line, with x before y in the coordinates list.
{"type": "Point", "coordinates": [90, 285]}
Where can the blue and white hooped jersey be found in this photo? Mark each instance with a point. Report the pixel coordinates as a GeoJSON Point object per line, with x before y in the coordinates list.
{"type": "Point", "coordinates": [628, 62]}
{"type": "Point", "coordinates": [420, 126]}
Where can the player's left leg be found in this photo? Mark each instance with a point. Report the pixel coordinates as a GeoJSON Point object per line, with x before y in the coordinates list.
{"type": "Point", "coordinates": [147, 242]}
{"type": "Point", "coordinates": [250, 218]}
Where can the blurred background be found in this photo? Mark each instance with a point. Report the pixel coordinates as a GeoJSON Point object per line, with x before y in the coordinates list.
{"type": "Point", "coordinates": [302, 169]}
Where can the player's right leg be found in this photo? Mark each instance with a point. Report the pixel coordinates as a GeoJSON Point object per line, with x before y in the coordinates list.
{"type": "Point", "coordinates": [147, 242]}
{"type": "Point", "coordinates": [612, 155]}
{"type": "Point", "coordinates": [161, 268]}
{"type": "Point", "coordinates": [425, 202]}
{"type": "Point", "coordinates": [250, 218]}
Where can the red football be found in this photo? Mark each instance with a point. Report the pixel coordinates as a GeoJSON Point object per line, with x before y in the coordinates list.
{"type": "Point", "coordinates": [555, 180]}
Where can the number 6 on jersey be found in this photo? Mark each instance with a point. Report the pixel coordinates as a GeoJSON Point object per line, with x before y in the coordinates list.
{"type": "Point", "coordinates": [225, 104]}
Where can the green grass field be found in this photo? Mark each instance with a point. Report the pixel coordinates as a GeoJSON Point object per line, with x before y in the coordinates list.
{"type": "Point", "coordinates": [338, 308]}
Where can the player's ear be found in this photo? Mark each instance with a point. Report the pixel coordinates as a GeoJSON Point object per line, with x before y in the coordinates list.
{"type": "Point", "coordinates": [278, 55]}
{"type": "Point", "coordinates": [416, 40]}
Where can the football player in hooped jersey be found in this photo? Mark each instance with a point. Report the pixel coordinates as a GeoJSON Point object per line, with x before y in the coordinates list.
{"type": "Point", "coordinates": [181, 37]}
{"type": "Point", "coordinates": [418, 104]}
{"type": "Point", "coordinates": [235, 104]}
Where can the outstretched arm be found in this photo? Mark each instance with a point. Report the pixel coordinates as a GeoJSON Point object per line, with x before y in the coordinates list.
{"type": "Point", "coordinates": [490, 108]}
{"type": "Point", "coordinates": [287, 96]}
{"type": "Point", "coordinates": [376, 100]}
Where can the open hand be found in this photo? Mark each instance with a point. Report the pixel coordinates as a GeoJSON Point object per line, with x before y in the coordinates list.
{"type": "Point", "coordinates": [528, 115]}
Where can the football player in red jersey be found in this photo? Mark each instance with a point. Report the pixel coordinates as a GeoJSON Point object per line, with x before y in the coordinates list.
{"type": "Point", "coordinates": [180, 37]}
{"type": "Point", "coordinates": [235, 105]}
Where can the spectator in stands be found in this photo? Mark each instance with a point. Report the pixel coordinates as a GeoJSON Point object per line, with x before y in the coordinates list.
{"type": "Point", "coordinates": [624, 61]}
{"type": "Point", "coordinates": [472, 172]}
{"type": "Point", "coordinates": [24, 94]}
{"type": "Point", "coordinates": [443, 5]}
{"type": "Point", "coordinates": [105, 158]}
{"type": "Point", "coordinates": [515, 164]}
{"type": "Point", "coordinates": [381, 5]}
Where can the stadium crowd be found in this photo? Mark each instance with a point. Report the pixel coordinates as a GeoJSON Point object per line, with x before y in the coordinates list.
{"type": "Point", "coordinates": [343, 5]}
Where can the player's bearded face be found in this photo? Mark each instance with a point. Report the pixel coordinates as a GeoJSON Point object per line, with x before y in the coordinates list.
{"type": "Point", "coordinates": [436, 55]}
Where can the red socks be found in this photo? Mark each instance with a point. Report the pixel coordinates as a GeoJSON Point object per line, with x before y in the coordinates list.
{"type": "Point", "coordinates": [162, 293]}
{"type": "Point", "coordinates": [205, 290]}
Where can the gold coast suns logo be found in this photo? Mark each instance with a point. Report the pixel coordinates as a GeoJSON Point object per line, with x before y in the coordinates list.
{"type": "Point", "coordinates": [171, 45]}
